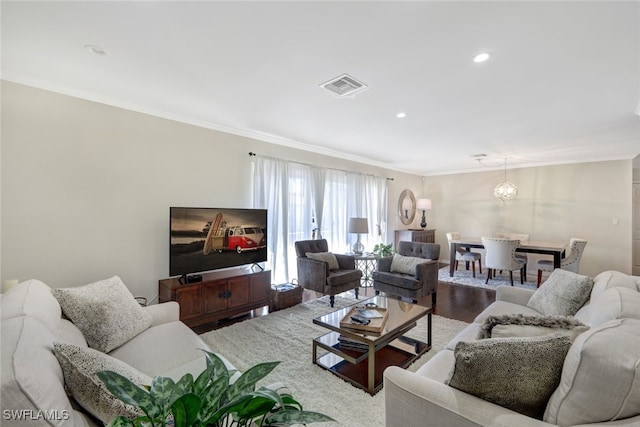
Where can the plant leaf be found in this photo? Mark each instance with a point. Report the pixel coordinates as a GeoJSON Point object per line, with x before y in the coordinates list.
{"type": "Point", "coordinates": [125, 390]}
{"type": "Point", "coordinates": [256, 407]}
{"type": "Point", "coordinates": [164, 393]}
{"type": "Point", "coordinates": [219, 368]}
{"type": "Point", "coordinates": [247, 381]}
{"type": "Point", "coordinates": [288, 418]}
{"type": "Point", "coordinates": [185, 384]}
{"type": "Point", "coordinates": [120, 422]}
{"type": "Point", "coordinates": [211, 397]}
{"type": "Point", "coordinates": [203, 380]}
{"type": "Point", "coordinates": [228, 409]}
{"type": "Point", "coordinates": [185, 410]}
{"type": "Point", "coordinates": [290, 403]}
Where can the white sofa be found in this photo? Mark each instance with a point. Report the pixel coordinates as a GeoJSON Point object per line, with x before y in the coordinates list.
{"type": "Point", "coordinates": [32, 380]}
{"type": "Point", "coordinates": [600, 376]}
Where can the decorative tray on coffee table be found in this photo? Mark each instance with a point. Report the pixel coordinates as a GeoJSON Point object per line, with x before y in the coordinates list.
{"type": "Point", "coordinates": [375, 325]}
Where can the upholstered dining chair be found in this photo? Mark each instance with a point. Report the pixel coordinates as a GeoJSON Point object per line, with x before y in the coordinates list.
{"type": "Point", "coordinates": [464, 255]}
{"type": "Point", "coordinates": [500, 254]}
{"type": "Point", "coordinates": [523, 238]}
{"type": "Point", "coordinates": [325, 272]}
{"type": "Point", "coordinates": [571, 262]}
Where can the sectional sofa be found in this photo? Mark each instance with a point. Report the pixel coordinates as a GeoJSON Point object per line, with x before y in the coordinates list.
{"type": "Point", "coordinates": [33, 386]}
{"type": "Point", "coordinates": [595, 379]}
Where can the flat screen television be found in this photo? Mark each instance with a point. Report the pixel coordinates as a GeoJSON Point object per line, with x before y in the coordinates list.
{"type": "Point", "coordinates": [205, 239]}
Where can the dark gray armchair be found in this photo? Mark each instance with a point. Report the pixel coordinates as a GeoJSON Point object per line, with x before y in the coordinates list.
{"type": "Point", "coordinates": [422, 282]}
{"type": "Point", "coordinates": [317, 275]}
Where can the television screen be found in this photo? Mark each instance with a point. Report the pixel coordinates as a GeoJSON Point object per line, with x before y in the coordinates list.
{"type": "Point", "coordinates": [203, 239]}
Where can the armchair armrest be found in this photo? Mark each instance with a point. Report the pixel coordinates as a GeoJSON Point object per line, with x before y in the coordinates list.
{"type": "Point", "coordinates": [411, 398]}
{"type": "Point", "coordinates": [384, 263]}
{"type": "Point", "coordinates": [312, 274]}
{"type": "Point", "coordinates": [426, 270]}
{"type": "Point", "coordinates": [165, 312]}
{"type": "Point", "coordinates": [346, 262]}
{"type": "Point", "coordinates": [512, 294]}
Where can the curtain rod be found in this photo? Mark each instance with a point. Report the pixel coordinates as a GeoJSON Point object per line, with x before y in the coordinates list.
{"type": "Point", "coordinates": [252, 154]}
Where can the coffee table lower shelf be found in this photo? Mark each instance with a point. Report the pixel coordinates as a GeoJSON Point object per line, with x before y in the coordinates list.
{"type": "Point", "coordinates": [353, 366]}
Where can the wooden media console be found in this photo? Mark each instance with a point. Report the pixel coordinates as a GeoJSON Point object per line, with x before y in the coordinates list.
{"type": "Point", "coordinates": [220, 294]}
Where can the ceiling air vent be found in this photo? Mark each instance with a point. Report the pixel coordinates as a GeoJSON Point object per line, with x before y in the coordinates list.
{"type": "Point", "coordinates": [344, 85]}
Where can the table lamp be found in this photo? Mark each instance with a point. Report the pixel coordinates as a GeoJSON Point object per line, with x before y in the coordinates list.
{"type": "Point", "coordinates": [358, 226]}
{"type": "Point", "coordinates": [423, 204]}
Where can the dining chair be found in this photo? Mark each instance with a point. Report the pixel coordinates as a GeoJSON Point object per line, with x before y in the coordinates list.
{"type": "Point", "coordinates": [464, 255]}
{"type": "Point", "coordinates": [571, 262]}
{"type": "Point", "coordinates": [500, 254]}
{"type": "Point", "coordinates": [523, 239]}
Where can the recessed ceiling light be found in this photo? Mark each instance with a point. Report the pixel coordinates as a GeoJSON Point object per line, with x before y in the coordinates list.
{"type": "Point", "coordinates": [401, 115]}
{"type": "Point", "coordinates": [96, 50]}
{"type": "Point", "coordinates": [481, 57]}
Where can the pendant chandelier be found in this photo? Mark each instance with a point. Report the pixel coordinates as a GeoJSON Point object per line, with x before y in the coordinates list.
{"type": "Point", "coordinates": [505, 190]}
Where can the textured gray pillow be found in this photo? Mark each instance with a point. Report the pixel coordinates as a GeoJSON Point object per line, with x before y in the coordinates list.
{"type": "Point", "coordinates": [519, 325]}
{"type": "Point", "coordinates": [562, 294]}
{"type": "Point", "coordinates": [405, 264]}
{"type": "Point", "coordinates": [517, 373]}
{"type": "Point", "coordinates": [105, 311]}
{"type": "Point", "coordinates": [327, 257]}
{"type": "Point", "coordinates": [80, 365]}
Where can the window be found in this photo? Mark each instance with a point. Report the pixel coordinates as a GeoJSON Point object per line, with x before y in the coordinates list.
{"type": "Point", "coordinates": [302, 198]}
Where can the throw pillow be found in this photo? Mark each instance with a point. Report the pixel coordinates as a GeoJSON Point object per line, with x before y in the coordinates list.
{"type": "Point", "coordinates": [600, 377]}
{"type": "Point", "coordinates": [327, 257]}
{"type": "Point", "coordinates": [519, 325]}
{"type": "Point", "coordinates": [80, 365]}
{"type": "Point", "coordinates": [106, 312]}
{"type": "Point", "coordinates": [405, 264]}
{"type": "Point", "coordinates": [562, 294]}
{"type": "Point", "coordinates": [516, 373]}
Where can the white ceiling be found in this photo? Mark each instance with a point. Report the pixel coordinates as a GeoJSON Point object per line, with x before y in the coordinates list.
{"type": "Point", "coordinates": [563, 84]}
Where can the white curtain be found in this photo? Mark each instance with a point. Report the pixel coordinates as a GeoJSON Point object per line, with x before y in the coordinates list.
{"type": "Point", "coordinates": [302, 197]}
{"type": "Point", "coordinates": [270, 191]}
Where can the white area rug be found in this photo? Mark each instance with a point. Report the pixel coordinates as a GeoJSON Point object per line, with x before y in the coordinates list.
{"type": "Point", "coordinates": [465, 277]}
{"type": "Point", "coordinates": [286, 336]}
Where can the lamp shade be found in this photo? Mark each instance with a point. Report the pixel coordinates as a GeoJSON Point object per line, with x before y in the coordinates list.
{"type": "Point", "coordinates": [423, 204]}
{"type": "Point", "coordinates": [358, 225]}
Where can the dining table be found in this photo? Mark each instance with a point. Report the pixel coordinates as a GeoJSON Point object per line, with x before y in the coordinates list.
{"type": "Point", "coordinates": [557, 250]}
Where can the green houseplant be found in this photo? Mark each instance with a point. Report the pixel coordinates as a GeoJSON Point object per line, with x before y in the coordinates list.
{"type": "Point", "coordinates": [210, 400]}
{"type": "Point", "coordinates": [381, 249]}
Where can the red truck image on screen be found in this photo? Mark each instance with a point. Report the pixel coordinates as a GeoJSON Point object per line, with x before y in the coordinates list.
{"type": "Point", "coordinates": [239, 238]}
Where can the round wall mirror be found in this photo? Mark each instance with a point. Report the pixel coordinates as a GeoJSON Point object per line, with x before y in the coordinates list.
{"type": "Point", "coordinates": [407, 207]}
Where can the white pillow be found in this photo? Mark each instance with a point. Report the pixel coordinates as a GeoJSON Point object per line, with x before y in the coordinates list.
{"type": "Point", "coordinates": [327, 257]}
{"type": "Point", "coordinates": [106, 312]}
{"type": "Point", "coordinates": [562, 294]}
{"type": "Point", "coordinates": [405, 264]}
{"type": "Point", "coordinates": [80, 365]}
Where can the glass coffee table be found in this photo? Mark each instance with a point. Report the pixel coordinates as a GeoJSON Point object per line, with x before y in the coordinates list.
{"type": "Point", "coordinates": [377, 351]}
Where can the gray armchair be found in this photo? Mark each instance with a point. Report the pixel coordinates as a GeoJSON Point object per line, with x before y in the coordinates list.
{"type": "Point", "coordinates": [417, 285]}
{"type": "Point", "coordinates": [318, 275]}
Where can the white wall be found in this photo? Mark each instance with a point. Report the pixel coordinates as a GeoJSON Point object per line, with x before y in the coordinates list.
{"type": "Point", "coordinates": [86, 190]}
{"type": "Point", "coordinates": [554, 203]}
{"type": "Point", "coordinates": [86, 187]}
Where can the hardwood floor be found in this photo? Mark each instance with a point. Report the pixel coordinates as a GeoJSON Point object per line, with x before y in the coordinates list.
{"type": "Point", "coordinates": [453, 301]}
